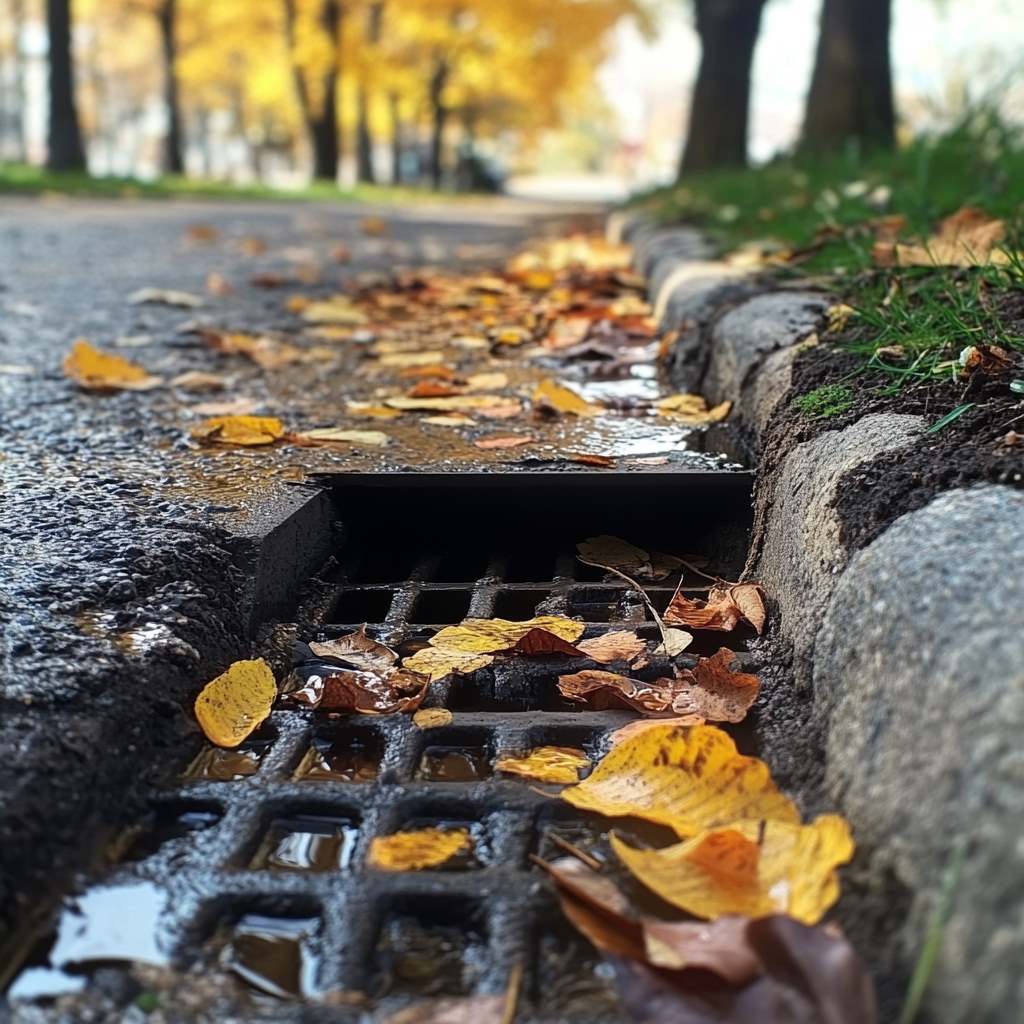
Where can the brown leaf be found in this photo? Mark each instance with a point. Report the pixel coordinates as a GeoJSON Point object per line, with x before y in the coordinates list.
{"type": "Point", "coordinates": [719, 946]}
{"type": "Point", "coordinates": [967, 238]}
{"type": "Point", "coordinates": [539, 642]}
{"type": "Point", "coordinates": [608, 552]}
{"type": "Point", "coordinates": [604, 690]}
{"type": "Point", "coordinates": [509, 441]}
{"type": "Point", "coordinates": [433, 389]}
{"type": "Point", "coordinates": [726, 607]}
{"type": "Point", "coordinates": [619, 645]}
{"type": "Point", "coordinates": [602, 461]}
{"type": "Point", "coordinates": [395, 691]}
{"type": "Point", "coordinates": [713, 690]}
{"type": "Point", "coordinates": [269, 279]}
{"type": "Point", "coordinates": [357, 650]}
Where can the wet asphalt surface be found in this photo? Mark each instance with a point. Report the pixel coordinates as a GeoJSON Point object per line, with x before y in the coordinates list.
{"type": "Point", "coordinates": [123, 584]}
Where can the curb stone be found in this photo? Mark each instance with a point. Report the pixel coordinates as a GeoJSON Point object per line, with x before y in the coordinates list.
{"type": "Point", "coordinates": [895, 683]}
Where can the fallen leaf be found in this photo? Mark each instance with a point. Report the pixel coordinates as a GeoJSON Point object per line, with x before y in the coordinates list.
{"type": "Point", "coordinates": [218, 284]}
{"type": "Point", "coordinates": [839, 315]}
{"type": "Point", "coordinates": [337, 310]}
{"type": "Point", "coordinates": [967, 238]}
{"type": "Point", "coordinates": [719, 946]}
{"type": "Point", "coordinates": [538, 642]}
{"type": "Point", "coordinates": [370, 411]}
{"type": "Point", "coordinates": [338, 435]}
{"type": "Point", "coordinates": [504, 410]}
{"type": "Point", "coordinates": [560, 765]}
{"type": "Point", "coordinates": [239, 406]}
{"type": "Point", "coordinates": [433, 389]}
{"type": "Point", "coordinates": [265, 352]}
{"type": "Point", "coordinates": [231, 706]}
{"type": "Point", "coordinates": [95, 370]}
{"type": "Point", "coordinates": [619, 645]}
{"type": "Point", "coordinates": [199, 381]}
{"type": "Point", "coordinates": [688, 778]}
{"type": "Point", "coordinates": [627, 732]}
{"type": "Point", "coordinates": [269, 279]}
{"type": "Point", "coordinates": [469, 342]}
{"type": "Point", "coordinates": [358, 651]}
{"type": "Point", "coordinates": [603, 690]}
{"type": "Point", "coordinates": [486, 381]}
{"type": "Point", "coordinates": [202, 233]}
{"type": "Point", "coordinates": [509, 441]}
{"type": "Point", "coordinates": [692, 409]}
{"type": "Point", "coordinates": [727, 605]}
{"type": "Point", "coordinates": [751, 867]}
{"type": "Point", "coordinates": [437, 663]}
{"type": "Point", "coordinates": [250, 245]}
{"type": "Point", "coordinates": [550, 396]}
{"type": "Point", "coordinates": [418, 849]}
{"type": "Point", "coordinates": [454, 420]}
{"type": "Point", "coordinates": [713, 690]}
{"type": "Point", "coordinates": [512, 335]}
{"type": "Point", "coordinates": [457, 403]}
{"type": "Point", "coordinates": [432, 718]}
{"type": "Point", "coordinates": [394, 691]}
{"type": "Point", "coordinates": [487, 636]}
{"type": "Point", "coordinates": [405, 359]}
{"type": "Point", "coordinates": [606, 552]}
{"type": "Point", "coordinates": [165, 297]}
{"type": "Point", "coordinates": [241, 430]}
{"type": "Point", "coordinates": [438, 371]}
{"type": "Point", "coordinates": [673, 642]}
{"type": "Point", "coordinates": [602, 461]}
{"type": "Point", "coordinates": [375, 227]}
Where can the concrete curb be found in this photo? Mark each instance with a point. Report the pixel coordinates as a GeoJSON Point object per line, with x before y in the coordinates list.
{"type": "Point", "coordinates": [895, 687]}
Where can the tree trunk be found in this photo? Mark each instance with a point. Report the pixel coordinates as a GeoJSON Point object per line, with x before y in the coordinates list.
{"type": "Point", "coordinates": [438, 119]}
{"type": "Point", "coordinates": [851, 88]}
{"type": "Point", "coordinates": [64, 136]}
{"type": "Point", "coordinates": [322, 124]}
{"type": "Point", "coordinates": [720, 108]}
{"type": "Point", "coordinates": [396, 138]}
{"type": "Point", "coordinates": [18, 114]}
{"type": "Point", "coordinates": [174, 148]}
{"type": "Point", "coordinates": [364, 141]}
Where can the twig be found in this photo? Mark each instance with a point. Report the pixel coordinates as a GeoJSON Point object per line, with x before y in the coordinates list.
{"type": "Point", "coordinates": [515, 980]}
{"type": "Point", "coordinates": [636, 586]}
{"type": "Point", "coordinates": [563, 844]}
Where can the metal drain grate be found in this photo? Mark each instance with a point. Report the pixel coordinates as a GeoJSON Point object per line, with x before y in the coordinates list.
{"type": "Point", "coordinates": [263, 848]}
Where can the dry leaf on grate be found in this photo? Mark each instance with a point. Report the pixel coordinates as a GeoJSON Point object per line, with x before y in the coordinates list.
{"type": "Point", "coordinates": [560, 765]}
{"type": "Point", "coordinates": [231, 706]}
{"type": "Point", "coordinates": [417, 850]}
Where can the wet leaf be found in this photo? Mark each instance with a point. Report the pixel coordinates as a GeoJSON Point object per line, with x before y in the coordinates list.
{"type": "Point", "coordinates": [508, 441]}
{"type": "Point", "coordinates": [432, 718]}
{"type": "Point", "coordinates": [337, 310]}
{"type": "Point", "coordinates": [601, 461]}
{"type": "Point", "coordinates": [550, 396]}
{"type": "Point", "coordinates": [198, 381]}
{"type": "Point", "coordinates": [357, 650]}
{"type": "Point", "coordinates": [727, 606]}
{"type": "Point", "coordinates": [95, 370]}
{"type": "Point", "coordinates": [606, 552]}
{"type": "Point", "coordinates": [338, 435]}
{"type": "Point", "coordinates": [692, 409]}
{"type": "Point", "coordinates": [165, 297]}
{"type": "Point", "coordinates": [752, 867]}
{"type": "Point", "coordinates": [231, 706]}
{"type": "Point", "coordinates": [604, 690]}
{"type": "Point", "coordinates": [719, 946]}
{"type": "Point", "coordinates": [394, 691]}
{"type": "Point", "coordinates": [538, 642]}
{"type": "Point", "coordinates": [438, 662]}
{"type": "Point", "coordinates": [433, 389]}
{"type": "Point", "coordinates": [714, 690]}
{"type": "Point", "coordinates": [560, 765]}
{"type": "Point", "coordinates": [417, 850]}
{"type": "Point", "coordinates": [619, 645]}
{"type": "Point", "coordinates": [688, 778]}
{"type": "Point", "coordinates": [265, 352]}
{"type": "Point", "coordinates": [486, 636]}
{"type": "Point", "coordinates": [967, 238]}
{"type": "Point", "coordinates": [371, 411]}
{"type": "Point", "coordinates": [248, 431]}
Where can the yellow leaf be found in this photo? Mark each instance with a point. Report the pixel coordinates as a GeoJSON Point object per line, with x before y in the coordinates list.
{"type": "Point", "coordinates": [338, 310]}
{"type": "Point", "coordinates": [418, 849]}
{"type": "Point", "coordinates": [484, 636]}
{"type": "Point", "coordinates": [377, 438]}
{"type": "Point", "coordinates": [692, 409]}
{"type": "Point", "coordinates": [95, 370]}
{"type": "Point", "coordinates": [752, 867]}
{"type": "Point", "coordinates": [232, 705]}
{"type": "Point", "coordinates": [243, 430]}
{"type": "Point", "coordinates": [371, 411]}
{"type": "Point", "coordinates": [432, 718]}
{"type": "Point", "coordinates": [689, 779]}
{"type": "Point", "coordinates": [555, 397]}
{"type": "Point", "coordinates": [440, 662]}
{"type": "Point", "coordinates": [403, 359]}
{"type": "Point", "coordinates": [548, 764]}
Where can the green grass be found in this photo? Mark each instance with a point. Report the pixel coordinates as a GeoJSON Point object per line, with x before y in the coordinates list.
{"type": "Point", "coordinates": [828, 400]}
{"type": "Point", "coordinates": [25, 180]}
{"type": "Point", "coordinates": [910, 323]}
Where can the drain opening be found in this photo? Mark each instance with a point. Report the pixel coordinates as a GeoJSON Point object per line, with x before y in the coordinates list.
{"type": "Point", "coordinates": [276, 889]}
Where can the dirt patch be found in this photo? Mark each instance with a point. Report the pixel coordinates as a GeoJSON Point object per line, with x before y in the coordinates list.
{"type": "Point", "coordinates": [973, 449]}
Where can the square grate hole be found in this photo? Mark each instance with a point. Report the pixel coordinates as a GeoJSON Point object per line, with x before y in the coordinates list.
{"type": "Point", "coordinates": [455, 755]}
{"type": "Point", "coordinates": [307, 842]}
{"type": "Point", "coordinates": [355, 605]}
{"type": "Point", "coordinates": [440, 607]}
{"type": "Point", "coordinates": [273, 953]}
{"type": "Point", "coordinates": [342, 754]}
{"type": "Point", "coordinates": [217, 764]}
{"type": "Point", "coordinates": [518, 605]}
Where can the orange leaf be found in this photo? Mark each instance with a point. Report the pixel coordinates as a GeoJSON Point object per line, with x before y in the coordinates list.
{"type": "Point", "coordinates": [94, 370]}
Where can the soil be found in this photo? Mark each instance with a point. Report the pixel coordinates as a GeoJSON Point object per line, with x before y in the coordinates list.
{"type": "Point", "coordinates": [978, 447]}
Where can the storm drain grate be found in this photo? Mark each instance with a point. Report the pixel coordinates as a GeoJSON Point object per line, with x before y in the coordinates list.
{"type": "Point", "coordinates": [264, 847]}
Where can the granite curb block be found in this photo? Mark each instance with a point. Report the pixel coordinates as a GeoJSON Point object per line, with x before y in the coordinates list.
{"type": "Point", "coordinates": [895, 691]}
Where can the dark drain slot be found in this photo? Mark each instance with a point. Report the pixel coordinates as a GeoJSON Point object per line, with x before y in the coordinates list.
{"type": "Point", "coordinates": [274, 887]}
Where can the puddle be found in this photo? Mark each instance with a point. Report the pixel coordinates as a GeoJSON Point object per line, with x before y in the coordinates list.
{"type": "Point", "coordinates": [166, 823]}
{"type": "Point", "coordinates": [142, 639]}
{"type": "Point", "coordinates": [118, 923]}
{"type": "Point", "coordinates": [218, 765]}
{"type": "Point", "coordinates": [454, 764]}
{"type": "Point", "coordinates": [348, 758]}
{"type": "Point", "coordinates": [274, 955]}
{"type": "Point", "coordinates": [421, 959]}
{"type": "Point", "coordinates": [307, 843]}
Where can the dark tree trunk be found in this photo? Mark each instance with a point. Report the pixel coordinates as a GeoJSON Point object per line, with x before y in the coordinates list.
{"type": "Point", "coordinates": [720, 108]}
{"type": "Point", "coordinates": [396, 138]}
{"type": "Point", "coordinates": [364, 141]}
{"type": "Point", "coordinates": [322, 124]}
{"type": "Point", "coordinates": [64, 136]}
{"type": "Point", "coordinates": [851, 88]}
{"type": "Point", "coordinates": [174, 144]}
{"type": "Point", "coordinates": [438, 120]}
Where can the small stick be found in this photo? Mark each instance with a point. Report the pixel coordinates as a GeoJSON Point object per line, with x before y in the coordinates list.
{"type": "Point", "coordinates": [515, 980]}
{"type": "Point", "coordinates": [563, 844]}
